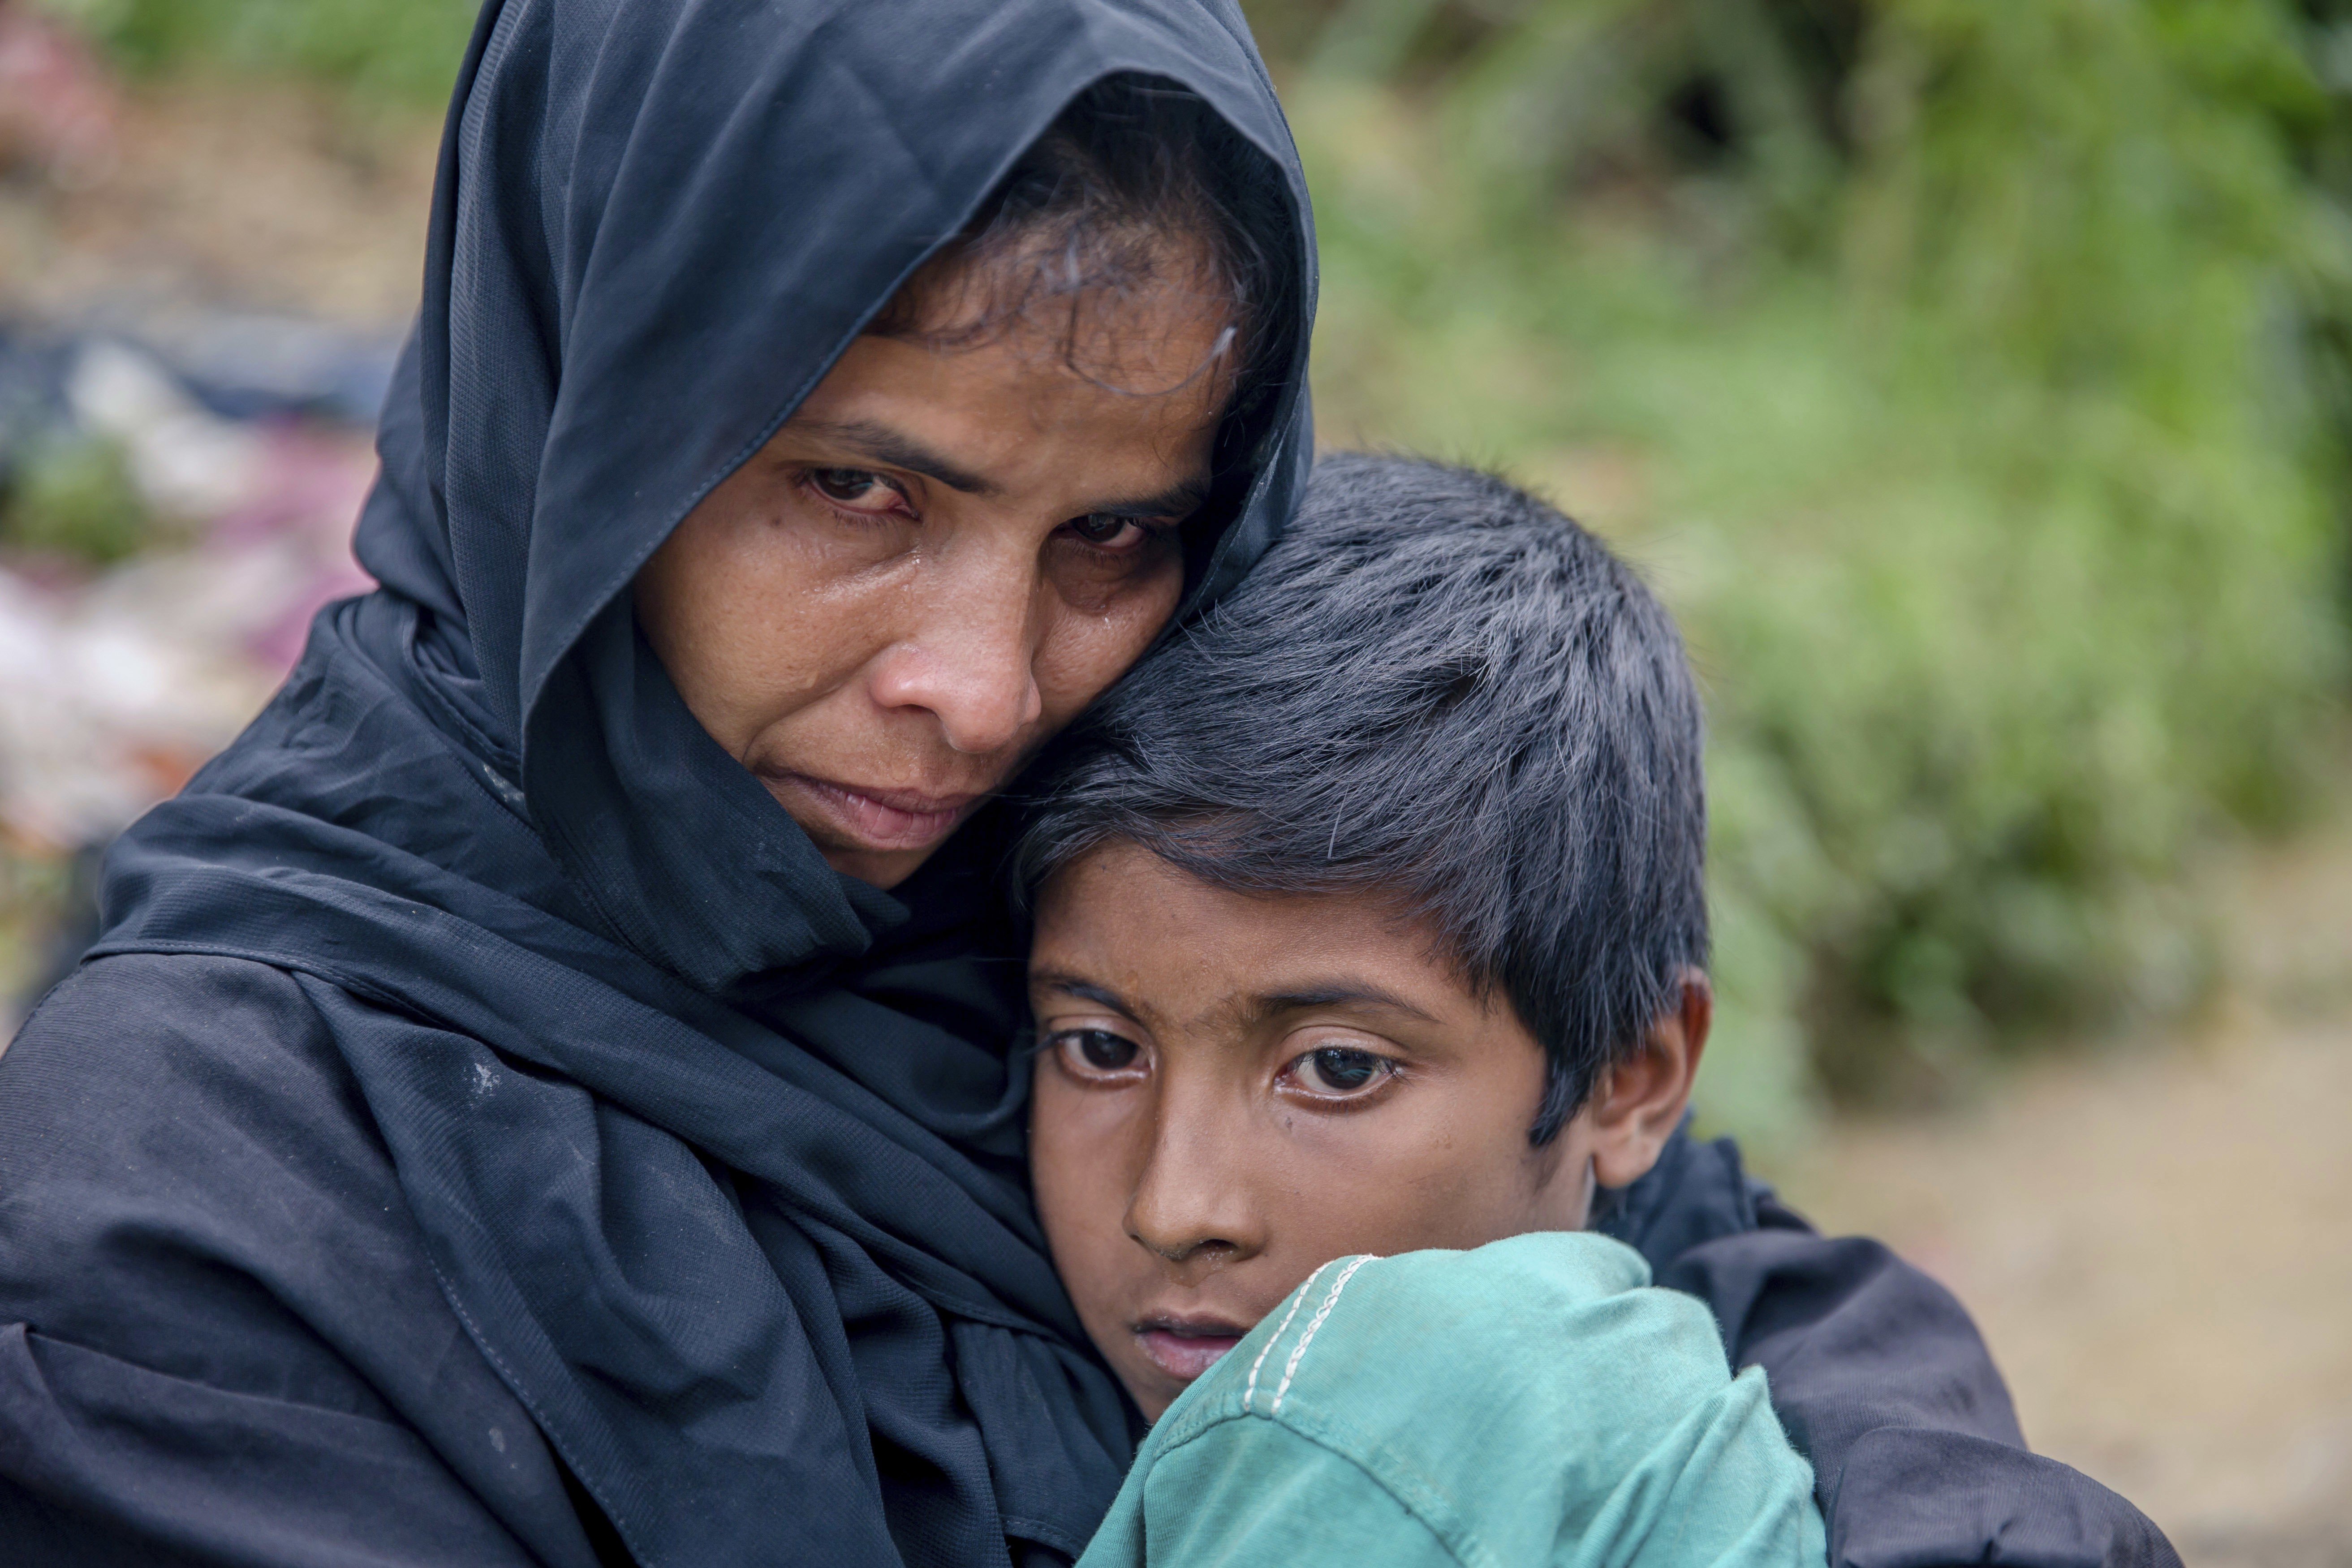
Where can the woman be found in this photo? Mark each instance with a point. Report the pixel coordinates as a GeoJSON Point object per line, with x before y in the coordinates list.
{"type": "Point", "coordinates": [543, 1095]}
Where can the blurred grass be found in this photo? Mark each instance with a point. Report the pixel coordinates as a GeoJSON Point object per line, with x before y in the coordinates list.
{"type": "Point", "coordinates": [1970, 375]}
{"type": "Point", "coordinates": [383, 52]}
{"type": "Point", "coordinates": [73, 496]}
{"type": "Point", "coordinates": [33, 886]}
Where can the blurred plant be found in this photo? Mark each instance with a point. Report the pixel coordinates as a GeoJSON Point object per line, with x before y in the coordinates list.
{"type": "Point", "coordinates": [1974, 376]}
{"type": "Point", "coordinates": [390, 50]}
{"type": "Point", "coordinates": [1963, 370]}
{"type": "Point", "coordinates": [73, 495]}
{"type": "Point", "coordinates": [35, 889]}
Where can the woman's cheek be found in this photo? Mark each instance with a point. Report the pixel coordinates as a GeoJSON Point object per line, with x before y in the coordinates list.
{"type": "Point", "coordinates": [755, 615]}
{"type": "Point", "coordinates": [796, 541]}
{"type": "Point", "coordinates": [1097, 631]}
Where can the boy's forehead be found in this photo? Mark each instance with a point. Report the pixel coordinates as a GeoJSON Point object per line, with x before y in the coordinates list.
{"type": "Point", "coordinates": [1167, 944]}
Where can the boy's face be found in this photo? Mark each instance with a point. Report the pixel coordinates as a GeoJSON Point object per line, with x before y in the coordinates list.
{"type": "Point", "coordinates": [1231, 1091]}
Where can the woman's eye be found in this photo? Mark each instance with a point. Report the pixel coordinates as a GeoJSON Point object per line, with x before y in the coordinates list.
{"type": "Point", "coordinates": [854, 488]}
{"type": "Point", "coordinates": [1106, 530]}
{"type": "Point", "coordinates": [1098, 1050]}
{"type": "Point", "coordinates": [1340, 1071]}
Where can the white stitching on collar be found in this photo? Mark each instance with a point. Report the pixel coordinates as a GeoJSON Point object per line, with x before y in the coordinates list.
{"type": "Point", "coordinates": [1313, 1323]}
{"type": "Point", "coordinates": [1249, 1391]}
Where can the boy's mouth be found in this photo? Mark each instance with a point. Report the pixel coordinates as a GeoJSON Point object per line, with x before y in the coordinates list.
{"type": "Point", "coordinates": [1184, 1347]}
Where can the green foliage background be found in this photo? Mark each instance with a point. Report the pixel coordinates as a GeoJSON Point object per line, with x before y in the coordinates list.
{"type": "Point", "coordinates": [1970, 375]}
{"type": "Point", "coordinates": [385, 52]}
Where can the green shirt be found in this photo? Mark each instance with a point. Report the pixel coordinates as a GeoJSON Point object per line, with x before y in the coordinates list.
{"type": "Point", "coordinates": [1532, 1401]}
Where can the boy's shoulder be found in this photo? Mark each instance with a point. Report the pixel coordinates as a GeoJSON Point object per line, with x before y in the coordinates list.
{"type": "Point", "coordinates": [1530, 1401]}
{"type": "Point", "coordinates": [1381, 1343]}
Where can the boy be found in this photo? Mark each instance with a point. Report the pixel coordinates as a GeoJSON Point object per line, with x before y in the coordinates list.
{"type": "Point", "coordinates": [1370, 920]}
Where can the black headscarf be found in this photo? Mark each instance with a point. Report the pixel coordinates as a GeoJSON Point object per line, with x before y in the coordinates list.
{"type": "Point", "coordinates": [715, 1151]}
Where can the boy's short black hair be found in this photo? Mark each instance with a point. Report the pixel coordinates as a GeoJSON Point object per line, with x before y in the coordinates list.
{"type": "Point", "coordinates": [1435, 689]}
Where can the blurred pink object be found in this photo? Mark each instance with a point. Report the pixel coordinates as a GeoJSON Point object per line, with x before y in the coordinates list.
{"type": "Point", "coordinates": [273, 500]}
{"type": "Point", "coordinates": [58, 104]}
{"type": "Point", "coordinates": [308, 487]}
{"type": "Point", "coordinates": [113, 687]}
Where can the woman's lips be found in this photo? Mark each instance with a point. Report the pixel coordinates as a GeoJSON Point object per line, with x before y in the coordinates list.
{"type": "Point", "coordinates": [881, 818]}
{"type": "Point", "coordinates": [1184, 1349]}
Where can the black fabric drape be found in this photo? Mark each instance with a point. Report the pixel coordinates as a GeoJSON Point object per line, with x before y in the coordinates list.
{"type": "Point", "coordinates": [713, 1154]}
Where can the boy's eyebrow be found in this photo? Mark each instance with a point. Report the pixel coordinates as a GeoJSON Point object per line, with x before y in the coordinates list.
{"type": "Point", "coordinates": [1085, 991]}
{"type": "Point", "coordinates": [1337, 994]}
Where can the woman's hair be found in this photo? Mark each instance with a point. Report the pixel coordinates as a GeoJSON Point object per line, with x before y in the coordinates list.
{"type": "Point", "coordinates": [1137, 183]}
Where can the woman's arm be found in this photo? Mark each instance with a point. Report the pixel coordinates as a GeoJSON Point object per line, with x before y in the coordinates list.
{"type": "Point", "coordinates": [220, 1337]}
{"type": "Point", "coordinates": [1880, 1378]}
{"type": "Point", "coordinates": [105, 1461]}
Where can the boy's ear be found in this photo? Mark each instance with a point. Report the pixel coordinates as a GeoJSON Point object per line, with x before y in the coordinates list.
{"type": "Point", "coordinates": [1639, 1103]}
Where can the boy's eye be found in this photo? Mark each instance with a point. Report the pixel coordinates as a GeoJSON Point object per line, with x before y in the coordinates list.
{"type": "Point", "coordinates": [1098, 1050]}
{"type": "Point", "coordinates": [1340, 1071]}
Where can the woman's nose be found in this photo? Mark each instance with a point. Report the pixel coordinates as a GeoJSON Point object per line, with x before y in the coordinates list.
{"type": "Point", "coordinates": [971, 656]}
{"type": "Point", "coordinates": [1193, 1205]}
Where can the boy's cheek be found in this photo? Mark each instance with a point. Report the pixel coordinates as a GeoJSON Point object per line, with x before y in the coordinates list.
{"type": "Point", "coordinates": [1107, 1275]}
{"type": "Point", "coordinates": [1077, 1172]}
{"type": "Point", "coordinates": [1078, 1140]}
{"type": "Point", "coordinates": [1409, 1190]}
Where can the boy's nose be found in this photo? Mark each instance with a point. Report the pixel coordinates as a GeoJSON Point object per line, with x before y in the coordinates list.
{"type": "Point", "coordinates": [1193, 1205]}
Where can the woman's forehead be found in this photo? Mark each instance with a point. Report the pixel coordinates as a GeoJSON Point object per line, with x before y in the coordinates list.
{"type": "Point", "coordinates": [1009, 417]}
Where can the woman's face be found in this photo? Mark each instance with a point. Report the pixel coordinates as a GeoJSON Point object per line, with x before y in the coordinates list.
{"type": "Point", "coordinates": [939, 558]}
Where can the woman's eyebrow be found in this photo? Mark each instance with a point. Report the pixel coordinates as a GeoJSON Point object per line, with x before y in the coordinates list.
{"type": "Point", "coordinates": [1178, 500]}
{"type": "Point", "coordinates": [897, 449]}
{"type": "Point", "coordinates": [891, 449]}
{"type": "Point", "coordinates": [1085, 991]}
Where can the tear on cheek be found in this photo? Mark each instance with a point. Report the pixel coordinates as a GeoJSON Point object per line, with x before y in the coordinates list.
{"type": "Point", "coordinates": [1145, 588]}
{"type": "Point", "coordinates": [1091, 646]}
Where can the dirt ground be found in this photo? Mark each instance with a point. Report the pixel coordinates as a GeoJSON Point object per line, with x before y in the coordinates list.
{"type": "Point", "coordinates": [225, 195]}
{"type": "Point", "coordinates": [2156, 1236]}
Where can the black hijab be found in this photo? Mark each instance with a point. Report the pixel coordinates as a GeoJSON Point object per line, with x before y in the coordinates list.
{"type": "Point", "coordinates": [715, 1152]}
